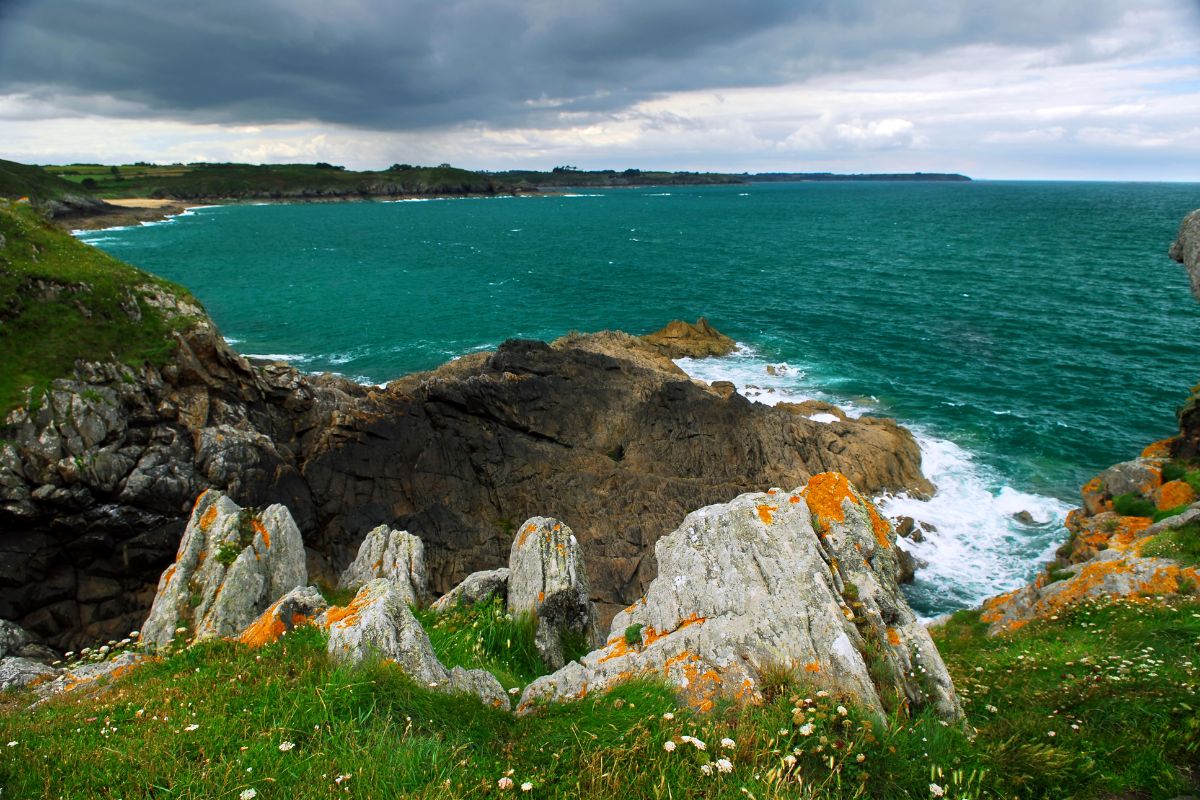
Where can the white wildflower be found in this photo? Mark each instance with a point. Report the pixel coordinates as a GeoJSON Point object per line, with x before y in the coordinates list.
{"type": "Point", "coordinates": [668, 716]}
{"type": "Point", "coordinates": [706, 769]}
{"type": "Point", "coordinates": [807, 729]}
{"type": "Point", "coordinates": [669, 746]}
{"type": "Point", "coordinates": [728, 743]}
{"type": "Point", "coordinates": [526, 787]}
{"type": "Point", "coordinates": [248, 794]}
{"type": "Point", "coordinates": [285, 746]}
{"type": "Point", "coordinates": [505, 783]}
{"type": "Point", "coordinates": [842, 711]}
{"type": "Point", "coordinates": [192, 727]}
{"type": "Point", "coordinates": [724, 765]}
{"type": "Point", "coordinates": [936, 790]}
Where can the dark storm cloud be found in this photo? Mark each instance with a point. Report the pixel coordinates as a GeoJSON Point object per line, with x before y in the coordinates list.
{"type": "Point", "coordinates": [408, 64]}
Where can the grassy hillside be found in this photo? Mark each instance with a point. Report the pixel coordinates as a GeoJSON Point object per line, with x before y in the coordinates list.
{"type": "Point", "coordinates": [205, 181]}
{"type": "Point", "coordinates": [570, 178]}
{"type": "Point", "coordinates": [1100, 703]}
{"type": "Point", "coordinates": [22, 180]}
{"type": "Point", "coordinates": [61, 300]}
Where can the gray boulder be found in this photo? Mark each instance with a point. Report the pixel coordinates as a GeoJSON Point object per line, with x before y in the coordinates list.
{"type": "Point", "coordinates": [378, 625]}
{"type": "Point", "coordinates": [1140, 476]}
{"type": "Point", "coordinates": [547, 579]}
{"type": "Point", "coordinates": [767, 580]}
{"type": "Point", "coordinates": [1186, 248]}
{"type": "Point", "coordinates": [12, 638]}
{"type": "Point", "coordinates": [17, 672]}
{"type": "Point", "coordinates": [474, 588]}
{"type": "Point", "coordinates": [396, 555]}
{"type": "Point", "coordinates": [232, 563]}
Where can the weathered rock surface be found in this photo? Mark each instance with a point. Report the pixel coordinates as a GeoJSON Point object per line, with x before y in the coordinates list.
{"type": "Point", "coordinates": [801, 579]}
{"type": "Point", "coordinates": [684, 340]}
{"type": "Point", "coordinates": [378, 625]}
{"type": "Point", "coordinates": [1186, 248]}
{"type": "Point", "coordinates": [547, 579]}
{"type": "Point", "coordinates": [603, 430]}
{"type": "Point", "coordinates": [231, 564]}
{"type": "Point", "coordinates": [17, 672]}
{"type": "Point", "coordinates": [396, 555]}
{"type": "Point", "coordinates": [12, 638]}
{"type": "Point", "coordinates": [475, 587]}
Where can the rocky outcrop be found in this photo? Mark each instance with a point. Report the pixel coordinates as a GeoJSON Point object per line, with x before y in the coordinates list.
{"type": "Point", "coordinates": [476, 587]}
{"type": "Point", "coordinates": [232, 563]}
{"type": "Point", "coordinates": [547, 579]}
{"type": "Point", "coordinates": [1186, 248]}
{"type": "Point", "coordinates": [17, 673]}
{"type": "Point", "coordinates": [684, 340]}
{"type": "Point", "coordinates": [378, 625]}
{"type": "Point", "coordinates": [97, 480]}
{"type": "Point", "coordinates": [395, 555]}
{"type": "Point", "coordinates": [802, 580]}
{"type": "Point", "coordinates": [301, 606]}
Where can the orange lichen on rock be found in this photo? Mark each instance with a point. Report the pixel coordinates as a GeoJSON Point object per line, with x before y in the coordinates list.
{"type": "Point", "coordinates": [893, 637]}
{"type": "Point", "coordinates": [826, 493]}
{"type": "Point", "coordinates": [1160, 449]}
{"type": "Point", "coordinates": [1173, 494]}
{"type": "Point", "coordinates": [347, 614]}
{"type": "Point", "coordinates": [528, 529]}
{"type": "Point", "coordinates": [264, 630]}
{"type": "Point", "coordinates": [208, 517]}
{"type": "Point", "coordinates": [765, 512]}
{"type": "Point", "coordinates": [812, 666]}
{"type": "Point", "coordinates": [541, 597]}
{"type": "Point", "coordinates": [262, 531]}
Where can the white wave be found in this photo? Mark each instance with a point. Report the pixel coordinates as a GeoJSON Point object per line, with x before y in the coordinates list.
{"type": "Point", "coordinates": [291, 358]}
{"type": "Point", "coordinates": [229, 340]}
{"type": "Point", "coordinates": [979, 549]}
{"type": "Point", "coordinates": [576, 194]}
{"type": "Point", "coordinates": [658, 194]}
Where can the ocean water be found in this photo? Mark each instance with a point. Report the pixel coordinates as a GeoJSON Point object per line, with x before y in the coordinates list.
{"type": "Point", "coordinates": [1029, 333]}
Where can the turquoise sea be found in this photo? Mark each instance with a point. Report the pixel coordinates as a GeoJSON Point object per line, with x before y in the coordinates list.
{"type": "Point", "coordinates": [1030, 333]}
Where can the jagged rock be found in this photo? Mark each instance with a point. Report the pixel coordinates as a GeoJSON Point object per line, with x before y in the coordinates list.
{"type": "Point", "coordinates": [681, 339]}
{"type": "Point", "coordinates": [908, 565]}
{"type": "Point", "coordinates": [548, 579]}
{"type": "Point", "coordinates": [378, 624]}
{"type": "Point", "coordinates": [301, 606]}
{"type": "Point", "coordinates": [1186, 248]}
{"type": "Point", "coordinates": [232, 563]}
{"type": "Point", "coordinates": [475, 587]}
{"type": "Point", "coordinates": [1024, 518]}
{"type": "Point", "coordinates": [801, 579]}
{"type": "Point", "coordinates": [506, 434]}
{"type": "Point", "coordinates": [396, 555]}
{"type": "Point", "coordinates": [17, 672]}
{"type": "Point", "coordinates": [93, 677]}
{"type": "Point", "coordinates": [12, 638]}
{"type": "Point", "coordinates": [1140, 476]}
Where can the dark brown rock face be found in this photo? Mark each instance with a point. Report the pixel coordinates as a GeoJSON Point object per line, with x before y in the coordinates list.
{"type": "Point", "coordinates": [601, 431]}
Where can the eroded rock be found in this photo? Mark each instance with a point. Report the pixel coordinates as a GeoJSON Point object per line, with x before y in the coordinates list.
{"type": "Point", "coordinates": [802, 579]}
{"type": "Point", "coordinates": [17, 672]}
{"type": "Point", "coordinates": [547, 579]}
{"type": "Point", "coordinates": [476, 587]}
{"type": "Point", "coordinates": [301, 606]}
{"type": "Point", "coordinates": [231, 564]}
{"type": "Point", "coordinates": [681, 339]}
{"type": "Point", "coordinates": [396, 555]}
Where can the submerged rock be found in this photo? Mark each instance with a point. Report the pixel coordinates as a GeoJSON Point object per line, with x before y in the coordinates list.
{"type": "Point", "coordinates": [396, 555]}
{"type": "Point", "coordinates": [804, 580]}
{"type": "Point", "coordinates": [547, 579]}
{"type": "Point", "coordinates": [232, 563]}
{"type": "Point", "coordinates": [476, 587]}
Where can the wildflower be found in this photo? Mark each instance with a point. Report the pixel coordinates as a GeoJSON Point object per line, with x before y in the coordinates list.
{"type": "Point", "coordinates": [936, 790]}
{"type": "Point", "coordinates": [822, 693]}
{"type": "Point", "coordinates": [860, 758]}
{"type": "Point", "coordinates": [514, 691]}
{"type": "Point", "coordinates": [724, 765]}
{"type": "Point", "coordinates": [668, 716]}
{"type": "Point", "coordinates": [669, 746]}
{"type": "Point", "coordinates": [790, 760]}
{"type": "Point", "coordinates": [248, 794]}
{"type": "Point", "coordinates": [285, 746]}
{"type": "Point", "coordinates": [526, 787]}
{"type": "Point", "coordinates": [807, 729]}
{"type": "Point", "coordinates": [505, 783]}
{"type": "Point", "coordinates": [728, 743]}
{"type": "Point", "coordinates": [1051, 733]}
{"type": "Point", "coordinates": [12, 744]}
{"type": "Point", "coordinates": [694, 742]}
{"type": "Point", "coordinates": [341, 778]}
{"type": "Point", "coordinates": [134, 634]}
{"type": "Point", "coordinates": [181, 630]}
{"type": "Point", "coordinates": [192, 727]}
{"type": "Point", "coordinates": [706, 769]}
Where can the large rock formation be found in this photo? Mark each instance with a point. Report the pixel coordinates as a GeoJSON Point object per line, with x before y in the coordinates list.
{"type": "Point", "coordinates": [231, 565]}
{"type": "Point", "coordinates": [1186, 248]}
{"type": "Point", "coordinates": [804, 580]}
{"type": "Point", "coordinates": [97, 478]}
{"type": "Point", "coordinates": [547, 579]}
{"type": "Point", "coordinates": [476, 587]}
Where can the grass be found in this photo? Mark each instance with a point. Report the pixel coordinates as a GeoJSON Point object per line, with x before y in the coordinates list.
{"type": "Point", "coordinates": [64, 300]}
{"type": "Point", "coordinates": [1181, 544]}
{"type": "Point", "coordinates": [1133, 505]}
{"type": "Point", "coordinates": [486, 636]}
{"type": "Point", "coordinates": [1099, 703]}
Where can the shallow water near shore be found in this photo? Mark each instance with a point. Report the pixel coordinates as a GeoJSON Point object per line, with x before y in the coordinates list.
{"type": "Point", "coordinates": [1031, 334]}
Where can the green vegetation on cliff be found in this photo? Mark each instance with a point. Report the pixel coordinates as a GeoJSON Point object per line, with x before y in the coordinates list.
{"type": "Point", "coordinates": [23, 180]}
{"type": "Point", "coordinates": [1098, 703]}
{"type": "Point", "coordinates": [62, 300]}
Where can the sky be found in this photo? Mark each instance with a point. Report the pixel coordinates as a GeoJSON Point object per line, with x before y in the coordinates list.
{"type": "Point", "coordinates": [1020, 89]}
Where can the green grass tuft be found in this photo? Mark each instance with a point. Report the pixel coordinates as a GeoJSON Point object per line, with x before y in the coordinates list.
{"type": "Point", "coordinates": [1181, 544]}
{"type": "Point", "coordinates": [1133, 505]}
{"type": "Point", "coordinates": [485, 636]}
